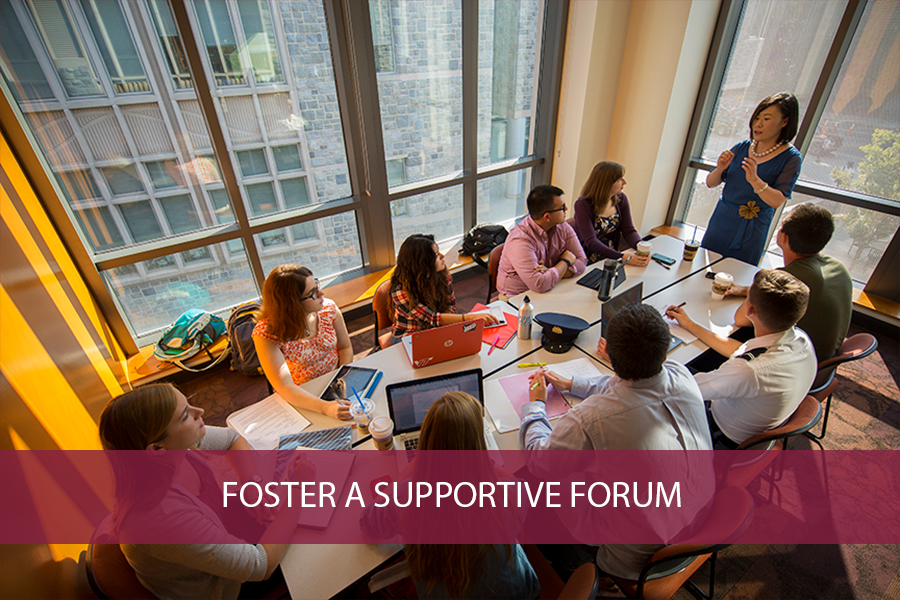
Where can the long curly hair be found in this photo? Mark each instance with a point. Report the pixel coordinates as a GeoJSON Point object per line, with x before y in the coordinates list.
{"type": "Point", "coordinates": [282, 308]}
{"type": "Point", "coordinates": [599, 184]}
{"type": "Point", "coordinates": [415, 274]}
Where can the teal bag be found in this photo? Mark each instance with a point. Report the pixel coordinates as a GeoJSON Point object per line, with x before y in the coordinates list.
{"type": "Point", "coordinates": [192, 333]}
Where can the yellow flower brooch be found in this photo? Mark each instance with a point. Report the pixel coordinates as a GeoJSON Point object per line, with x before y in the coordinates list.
{"type": "Point", "coordinates": [749, 210]}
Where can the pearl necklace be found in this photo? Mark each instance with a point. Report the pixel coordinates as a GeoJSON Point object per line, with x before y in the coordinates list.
{"type": "Point", "coordinates": [769, 151]}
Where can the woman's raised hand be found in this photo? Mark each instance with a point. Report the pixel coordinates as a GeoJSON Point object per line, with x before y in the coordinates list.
{"type": "Point", "coordinates": [724, 160]}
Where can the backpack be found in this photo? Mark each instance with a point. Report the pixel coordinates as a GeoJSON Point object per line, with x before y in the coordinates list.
{"type": "Point", "coordinates": [193, 332]}
{"type": "Point", "coordinates": [240, 331]}
{"type": "Point", "coordinates": [481, 239]}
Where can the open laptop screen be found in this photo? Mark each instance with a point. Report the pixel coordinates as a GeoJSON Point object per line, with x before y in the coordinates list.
{"type": "Point", "coordinates": [409, 401]}
{"type": "Point", "coordinates": [611, 307]}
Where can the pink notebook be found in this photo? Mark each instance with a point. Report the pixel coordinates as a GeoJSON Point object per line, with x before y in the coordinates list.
{"type": "Point", "coordinates": [516, 388]}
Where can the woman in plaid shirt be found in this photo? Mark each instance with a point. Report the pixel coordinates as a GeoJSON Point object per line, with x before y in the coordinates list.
{"type": "Point", "coordinates": [422, 289]}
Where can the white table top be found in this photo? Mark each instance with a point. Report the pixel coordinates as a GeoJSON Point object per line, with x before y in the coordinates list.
{"type": "Point", "coordinates": [570, 298]}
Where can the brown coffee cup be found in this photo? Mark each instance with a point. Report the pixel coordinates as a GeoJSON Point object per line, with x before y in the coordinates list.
{"type": "Point", "coordinates": [690, 249]}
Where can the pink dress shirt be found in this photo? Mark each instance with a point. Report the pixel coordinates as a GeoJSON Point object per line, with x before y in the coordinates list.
{"type": "Point", "coordinates": [527, 245]}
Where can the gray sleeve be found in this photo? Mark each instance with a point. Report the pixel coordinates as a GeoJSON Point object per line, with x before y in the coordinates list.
{"type": "Point", "coordinates": [582, 387]}
{"type": "Point", "coordinates": [218, 438]}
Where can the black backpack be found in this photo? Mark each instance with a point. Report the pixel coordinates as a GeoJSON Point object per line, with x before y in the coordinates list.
{"type": "Point", "coordinates": [481, 239]}
{"type": "Point", "coordinates": [240, 332]}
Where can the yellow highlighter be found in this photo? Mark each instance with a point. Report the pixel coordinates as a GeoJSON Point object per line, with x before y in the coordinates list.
{"type": "Point", "coordinates": [526, 365]}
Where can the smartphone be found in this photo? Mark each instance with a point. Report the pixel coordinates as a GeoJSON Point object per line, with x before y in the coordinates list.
{"type": "Point", "coordinates": [663, 259]}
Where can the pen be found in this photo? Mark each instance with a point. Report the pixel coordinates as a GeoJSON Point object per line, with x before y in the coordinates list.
{"type": "Point", "coordinates": [662, 264]}
{"type": "Point", "coordinates": [526, 365]}
{"type": "Point", "coordinates": [374, 385]}
{"type": "Point", "coordinates": [494, 345]}
{"type": "Point", "coordinates": [680, 305]}
{"type": "Point", "coordinates": [536, 383]}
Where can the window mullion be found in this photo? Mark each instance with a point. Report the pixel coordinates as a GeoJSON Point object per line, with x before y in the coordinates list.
{"type": "Point", "coordinates": [551, 66]}
{"type": "Point", "coordinates": [216, 134]}
{"type": "Point", "coordinates": [470, 112]}
{"type": "Point", "coordinates": [350, 32]}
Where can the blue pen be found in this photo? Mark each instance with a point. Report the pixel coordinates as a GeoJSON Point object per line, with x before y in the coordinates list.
{"type": "Point", "coordinates": [374, 385]}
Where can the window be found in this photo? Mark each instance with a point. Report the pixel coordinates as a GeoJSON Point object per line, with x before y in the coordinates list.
{"type": "Point", "coordinates": [850, 117]}
{"type": "Point", "coordinates": [105, 89]}
{"type": "Point", "coordinates": [113, 38]}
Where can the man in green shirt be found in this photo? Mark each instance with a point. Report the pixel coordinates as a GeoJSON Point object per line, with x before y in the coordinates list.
{"type": "Point", "coordinates": [804, 232]}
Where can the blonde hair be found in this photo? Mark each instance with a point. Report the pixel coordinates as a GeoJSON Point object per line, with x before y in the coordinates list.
{"type": "Point", "coordinates": [454, 422]}
{"type": "Point", "coordinates": [282, 308]}
{"type": "Point", "coordinates": [599, 184]}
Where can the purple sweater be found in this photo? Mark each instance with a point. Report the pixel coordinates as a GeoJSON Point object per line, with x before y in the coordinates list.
{"type": "Point", "coordinates": [584, 229]}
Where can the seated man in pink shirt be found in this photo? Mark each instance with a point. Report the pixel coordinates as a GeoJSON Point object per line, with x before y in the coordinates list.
{"type": "Point", "coordinates": [542, 248]}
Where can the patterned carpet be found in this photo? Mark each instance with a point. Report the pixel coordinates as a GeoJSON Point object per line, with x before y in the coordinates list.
{"type": "Point", "coordinates": [864, 415]}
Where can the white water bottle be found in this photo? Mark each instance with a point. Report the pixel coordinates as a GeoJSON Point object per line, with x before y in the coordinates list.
{"type": "Point", "coordinates": [525, 315]}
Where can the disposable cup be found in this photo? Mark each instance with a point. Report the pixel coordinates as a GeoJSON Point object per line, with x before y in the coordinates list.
{"type": "Point", "coordinates": [690, 249]}
{"type": "Point", "coordinates": [382, 431]}
{"type": "Point", "coordinates": [721, 284]}
{"type": "Point", "coordinates": [644, 248]}
{"type": "Point", "coordinates": [362, 414]}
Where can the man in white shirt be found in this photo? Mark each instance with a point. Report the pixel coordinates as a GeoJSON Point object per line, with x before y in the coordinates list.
{"type": "Point", "coordinates": [766, 378]}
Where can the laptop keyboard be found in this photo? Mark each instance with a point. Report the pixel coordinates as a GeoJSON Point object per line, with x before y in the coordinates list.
{"type": "Point", "coordinates": [591, 279]}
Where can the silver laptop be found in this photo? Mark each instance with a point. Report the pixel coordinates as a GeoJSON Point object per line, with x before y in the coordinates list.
{"type": "Point", "coordinates": [409, 401]}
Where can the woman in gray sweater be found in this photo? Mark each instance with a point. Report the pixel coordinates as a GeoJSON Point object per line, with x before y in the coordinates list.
{"type": "Point", "coordinates": [157, 418]}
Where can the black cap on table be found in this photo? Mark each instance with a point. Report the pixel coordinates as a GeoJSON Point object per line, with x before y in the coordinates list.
{"type": "Point", "coordinates": [559, 331]}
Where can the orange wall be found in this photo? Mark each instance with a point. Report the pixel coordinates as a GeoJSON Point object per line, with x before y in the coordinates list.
{"type": "Point", "coordinates": [59, 365]}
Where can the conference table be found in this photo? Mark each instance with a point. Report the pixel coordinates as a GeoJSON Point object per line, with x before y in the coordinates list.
{"type": "Point", "coordinates": [314, 570]}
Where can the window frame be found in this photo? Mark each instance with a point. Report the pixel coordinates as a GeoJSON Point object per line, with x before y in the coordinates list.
{"type": "Point", "coordinates": [727, 28]}
{"type": "Point", "coordinates": [355, 78]}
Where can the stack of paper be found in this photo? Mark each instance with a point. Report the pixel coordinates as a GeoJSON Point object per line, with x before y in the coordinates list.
{"type": "Point", "coordinates": [263, 423]}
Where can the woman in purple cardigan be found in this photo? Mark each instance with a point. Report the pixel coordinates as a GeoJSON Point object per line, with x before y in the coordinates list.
{"type": "Point", "coordinates": [602, 216]}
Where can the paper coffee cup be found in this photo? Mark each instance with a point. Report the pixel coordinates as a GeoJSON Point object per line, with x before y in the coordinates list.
{"type": "Point", "coordinates": [644, 248]}
{"type": "Point", "coordinates": [382, 431]}
{"type": "Point", "coordinates": [721, 284]}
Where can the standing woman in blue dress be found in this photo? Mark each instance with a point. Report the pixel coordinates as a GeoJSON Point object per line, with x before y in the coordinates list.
{"type": "Point", "coordinates": [759, 176]}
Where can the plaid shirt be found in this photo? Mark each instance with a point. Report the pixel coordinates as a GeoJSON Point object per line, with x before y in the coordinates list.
{"type": "Point", "coordinates": [409, 317]}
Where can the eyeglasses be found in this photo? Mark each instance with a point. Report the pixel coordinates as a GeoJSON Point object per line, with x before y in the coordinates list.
{"type": "Point", "coordinates": [313, 293]}
{"type": "Point", "coordinates": [563, 208]}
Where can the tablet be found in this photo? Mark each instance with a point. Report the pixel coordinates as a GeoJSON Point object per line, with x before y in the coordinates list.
{"type": "Point", "coordinates": [346, 380]}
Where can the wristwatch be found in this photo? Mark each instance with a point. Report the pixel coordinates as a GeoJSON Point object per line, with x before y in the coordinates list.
{"type": "Point", "coordinates": [566, 260]}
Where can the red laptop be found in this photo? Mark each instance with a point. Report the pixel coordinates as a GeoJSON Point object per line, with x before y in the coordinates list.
{"type": "Point", "coordinates": [440, 344]}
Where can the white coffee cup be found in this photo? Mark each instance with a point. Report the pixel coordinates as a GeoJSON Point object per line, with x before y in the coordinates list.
{"type": "Point", "coordinates": [644, 248]}
{"type": "Point", "coordinates": [721, 284]}
{"type": "Point", "coordinates": [382, 431]}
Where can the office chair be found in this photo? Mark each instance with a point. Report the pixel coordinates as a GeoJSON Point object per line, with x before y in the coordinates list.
{"type": "Point", "coordinates": [383, 318]}
{"type": "Point", "coordinates": [493, 268]}
{"type": "Point", "coordinates": [672, 566]}
{"type": "Point", "coordinates": [768, 444]}
{"type": "Point", "coordinates": [855, 347]}
{"type": "Point", "coordinates": [108, 572]}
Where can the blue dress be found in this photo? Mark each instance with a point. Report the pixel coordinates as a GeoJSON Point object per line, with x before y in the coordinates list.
{"type": "Point", "coordinates": [739, 225]}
